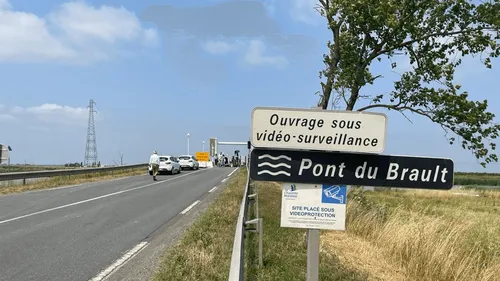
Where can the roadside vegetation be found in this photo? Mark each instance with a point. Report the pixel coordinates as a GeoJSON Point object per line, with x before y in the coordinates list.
{"type": "Point", "coordinates": [30, 168]}
{"type": "Point", "coordinates": [391, 235]}
{"type": "Point", "coordinates": [421, 235]}
{"type": "Point", "coordinates": [17, 186]}
{"type": "Point", "coordinates": [204, 252]}
{"type": "Point", "coordinates": [477, 179]}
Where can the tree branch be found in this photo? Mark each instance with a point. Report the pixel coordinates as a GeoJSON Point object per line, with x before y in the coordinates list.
{"type": "Point", "coordinates": [360, 73]}
{"type": "Point", "coordinates": [374, 78]}
{"type": "Point", "coordinates": [425, 37]}
{"type": "Point", "coordinates": [398, 108]}
{"type": "Point", "coordinates": [333, 64]}
{"type": "Point", "coordinates": [415, 28]}
{"type": "Point", "coordinates": [417, 59]}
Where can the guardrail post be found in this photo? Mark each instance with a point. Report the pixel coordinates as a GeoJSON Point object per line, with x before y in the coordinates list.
{"type": "Point", "coordinates": [254, 198]}
{"type": "Point", "coordinates": [260, 229]}
{"type": "Point", "coordinates": [24, 181]}
{"type": "Point", "coordinates": [258, 222]}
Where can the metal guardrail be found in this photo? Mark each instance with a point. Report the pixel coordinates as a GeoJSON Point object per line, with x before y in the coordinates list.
{"type": "Point", "coordinates": [236, 272]}
{"type": "Point", "coordinates": [64, 172]}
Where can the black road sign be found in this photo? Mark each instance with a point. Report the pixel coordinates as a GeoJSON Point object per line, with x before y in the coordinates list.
{"type": "Point", "coordinates": [351, 169]}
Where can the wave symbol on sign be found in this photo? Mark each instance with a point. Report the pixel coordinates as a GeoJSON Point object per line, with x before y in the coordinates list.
{"type": "Point", "coordinates": [283, 163]}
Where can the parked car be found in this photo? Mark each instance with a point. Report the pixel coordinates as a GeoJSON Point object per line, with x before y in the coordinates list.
{"type": "Point", "coordinates": [189, 162]}
{"type": "Point", "coordinates": [168, 164]}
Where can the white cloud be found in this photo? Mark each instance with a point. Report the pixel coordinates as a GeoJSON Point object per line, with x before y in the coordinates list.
{"type": "Point", "coordinates": [256, 55]}
{"type": "Point", "coordinates": [304, 11]}
{"type": "Point", "coordinates": [4, 5]}
{"type": "Point", "coordinates": [218, 47]}
{"type": "Point", "coordinates": [254, 52]}
{"type": "Point", "coordinates": [82, 22]}
{"type": "Point", "coordinates": [51, 113]}
{"type": "Point", "coordinates": [51, 108]}
{"type": "Point", "coordinates": [6, 117]}
{"type": "Point", "coordinates": [75, 32]}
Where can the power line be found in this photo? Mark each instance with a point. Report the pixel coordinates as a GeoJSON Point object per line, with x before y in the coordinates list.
{"type": "Point", "coordinates": [91, 145]}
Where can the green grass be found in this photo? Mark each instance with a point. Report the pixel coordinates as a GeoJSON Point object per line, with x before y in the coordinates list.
{"type": "Point", "coordinates": [204, 252]}
{"type": "Point", "coordinates": [285, 249]}
{"type": "Point", "coordinates": [484, 179]}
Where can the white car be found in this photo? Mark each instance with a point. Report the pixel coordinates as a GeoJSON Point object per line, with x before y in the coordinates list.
{"type": "Point", "coordinates": [189, 162]}
{"type": "Point", "coordinates": [168, 164]}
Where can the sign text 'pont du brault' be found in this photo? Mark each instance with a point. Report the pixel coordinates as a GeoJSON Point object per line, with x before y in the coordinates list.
{"type": "Point", "coordinates": [351, 169]}
{"type": "Point", "coordinates": [314, 129]}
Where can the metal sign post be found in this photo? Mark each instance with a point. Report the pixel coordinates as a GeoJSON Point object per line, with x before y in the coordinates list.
{"type": "Point", "coordinates": [312, 254]}
{"type": "Point", "coordinates": [312, 273]}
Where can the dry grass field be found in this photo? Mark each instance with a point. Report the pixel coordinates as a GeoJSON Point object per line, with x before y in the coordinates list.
{"type": "Point", "coordinates": [17, 186]}
{"type": "Point", "coordinates": [30, 168]}
{"type": "Point", "coordinates": [421, 235]}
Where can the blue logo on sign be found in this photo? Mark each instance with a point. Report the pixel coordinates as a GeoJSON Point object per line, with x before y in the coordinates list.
{"type": "Point", "coordinates": [333, 194]}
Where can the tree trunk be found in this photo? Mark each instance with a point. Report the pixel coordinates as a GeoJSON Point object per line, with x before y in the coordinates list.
{"type": "Point", "coordinates": [327, 92]}
{"type": "Point", "coordinates": [353, 98]}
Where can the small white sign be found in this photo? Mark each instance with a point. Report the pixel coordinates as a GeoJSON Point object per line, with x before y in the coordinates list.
{"type": "Point", "coordinates": [315, 129]}
{"type": "Point", "coordinates": [314, 206]}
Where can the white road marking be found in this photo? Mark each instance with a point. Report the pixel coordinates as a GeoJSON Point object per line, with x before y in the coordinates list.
{"type": "Point", "coordinates": [190, 207]}
{"type": "Point", "coordinates": [224, 180]}
{"type": "Point", "coordinates": [213, 189]}
{"type": "Point", "coordinates": [120, 262]}
{"type": "Point", "coordinates": [232, 172]}
{"type": "Point", "coordinates": [93, 199]}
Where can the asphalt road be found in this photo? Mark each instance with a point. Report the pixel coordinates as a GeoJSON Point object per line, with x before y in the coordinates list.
{"type": "Point", "coordinates": [74, 233]}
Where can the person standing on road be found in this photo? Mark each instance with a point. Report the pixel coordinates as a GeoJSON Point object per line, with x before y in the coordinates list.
{"type": "Point", "coordinates": [154, 161]}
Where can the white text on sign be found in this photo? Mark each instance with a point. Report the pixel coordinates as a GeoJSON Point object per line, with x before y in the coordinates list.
{"type": "Point", "coordinates": [395, 172]}
{"type": "Point", "coordinates": [318, 130]}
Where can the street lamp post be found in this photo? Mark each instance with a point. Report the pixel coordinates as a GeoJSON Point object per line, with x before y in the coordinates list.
{"type": "Point", "coordinates": [203, 142]}
{"type": "Point", "coordinates": [188, 142]}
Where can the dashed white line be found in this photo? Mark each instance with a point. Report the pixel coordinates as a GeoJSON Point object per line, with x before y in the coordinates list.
{"type": "Point", "coordinates": [93, 199]}
{"type": "Point", "coordinates": [120, 262]}
{"type": "Point", "coordinates": [213, 189]}
{"type": "Point", "coordinates": [190, 207]}
{"type": "Point", "coordinates": [232, 172]}
{"type": "Point", "coordinates": [224, 180]}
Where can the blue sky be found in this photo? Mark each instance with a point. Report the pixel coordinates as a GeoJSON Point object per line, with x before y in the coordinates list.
{"type": "Point", "coordinates": [158, 72]}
